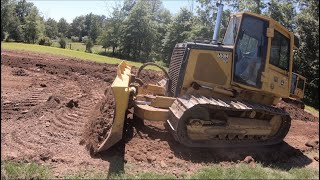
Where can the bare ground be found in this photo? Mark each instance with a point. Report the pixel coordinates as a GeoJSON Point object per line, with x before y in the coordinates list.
{"type": "Point", "coordinates": [46, 101]}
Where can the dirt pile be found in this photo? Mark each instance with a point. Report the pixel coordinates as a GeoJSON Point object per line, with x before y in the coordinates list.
{"type": "Point", "coordinates": [99, 125]}
{"type": "Point", "coordinates": [19, 72]}
{"type": "Point", "coordinates": [297, 113]}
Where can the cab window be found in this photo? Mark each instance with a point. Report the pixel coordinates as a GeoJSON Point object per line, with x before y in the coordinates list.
{"type": "Point", "coordinates": [300, 84]}
{"type": "Point", "coordinates": [250, 51]}
{"type": "Point", "coordinates": [280, 51]}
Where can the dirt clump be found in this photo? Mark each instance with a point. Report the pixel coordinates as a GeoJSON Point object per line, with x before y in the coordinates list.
{"type": "Point", "coordinates": [248, 159]}
{"type": "Point", "coordinates": [99, 125]}
{"type": "Point", "coordinates": [54, 99]}
{"type": "Point", "coordinates": [313, 144]}
{"type": "Point", "coordinates": [72, 103]}
{"type": "Point", "coordinates": [45, 156]}
{"type": "Point", "coordinates": [297, 113]}
{"type": "Point", "coordinates": [19, 72]}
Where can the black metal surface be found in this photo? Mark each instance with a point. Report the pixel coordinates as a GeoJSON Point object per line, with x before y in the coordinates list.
{"type": "Point", "coordinates": [175, 66]}
{"type": "Point", "coordinates": [181, 106]}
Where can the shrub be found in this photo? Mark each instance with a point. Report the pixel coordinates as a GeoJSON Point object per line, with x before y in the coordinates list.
{"type": "Point", "coordinates": [46, 41]}
{"type": "Point", "coordinates": [89, 46]}
{"type": "Point", "coordinates": [85, 39]}
{"type": "Point", "coordinates": [62, 43]}
{"type": "Point", "coordinates": [74, 39]}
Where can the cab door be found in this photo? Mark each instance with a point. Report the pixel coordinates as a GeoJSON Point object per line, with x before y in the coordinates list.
{"type": "Point", "coordinates": [277, 76]}
{"type": "Point", "coordinates": [250, 51]}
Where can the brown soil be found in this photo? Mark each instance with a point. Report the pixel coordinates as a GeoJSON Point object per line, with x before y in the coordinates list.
{"type": "Point", "coordinates": [297, 113]}
{"type": "Point", "coordinates": [99, 125]}
{"type": "Point", "coordinates": [48, 112]}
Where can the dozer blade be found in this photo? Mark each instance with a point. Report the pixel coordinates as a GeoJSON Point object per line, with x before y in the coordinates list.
{"type": "Point", "coordinates": [121, 92]}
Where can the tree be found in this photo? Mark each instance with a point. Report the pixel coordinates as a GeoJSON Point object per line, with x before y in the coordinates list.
{"type": "Point", "coordinates": [255, 6]}
{"type": "Point", "coordinates": [127, 6]}
{"type": "Point", "coordinates": [77, 27]}
{"type": "Point", "coordinates": [6, 11]}
{"type": "Point", "coordinates": [112, 35]}
{"type": "Point", "coordinates": [138, 33]}
{"type": "Point", "coordinates": [160, 18]}
{"type": "Point", "coordinates": [307, 57]}
{"type": "Point", "coordinates": [51, 28]}
{"type": "Point", "coordinates": [34, 26]}
{"type": "Point", "coordinates": [16, 31]}
{"type": "Point", "coordinates": [283, 11]}
{"type": "Point", "coordinates": [23, 8]}
{"type": "Point", "coordinates": [89, 45]}
{"type": "Point", "coordinates": [204, 22]}
{"type": "Point", "coordinates": [10, 22]}
{"type": "Point", "coordinates": [178, 31]}
{"type": "Point", "coordinates": [62, 43]}
{"type": "Point", "coordinates": [92, 28]}
{"type": "Point", "coordinates": [63, 27]}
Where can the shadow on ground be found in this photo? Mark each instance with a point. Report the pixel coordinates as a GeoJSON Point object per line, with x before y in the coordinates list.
{"type": "Point", "coordinates": [280, 156]}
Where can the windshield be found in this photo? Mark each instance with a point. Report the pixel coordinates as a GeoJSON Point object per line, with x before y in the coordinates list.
{"type": "Point", "coordinates": [232, 30]}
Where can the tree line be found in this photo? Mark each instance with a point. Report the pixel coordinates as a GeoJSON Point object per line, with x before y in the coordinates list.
{"type": "Point", "coordinates": [143, 30]}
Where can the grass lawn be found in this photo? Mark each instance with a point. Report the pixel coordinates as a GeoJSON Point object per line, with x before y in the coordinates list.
{"type": "Point", "coordinates": [14, 170]}
{"type": "Point", "coordinates": [67, 53]}
{"type": "Point", "coordinates": [312, 110]}
{"type": "Point", "coordinates": [78, 46]}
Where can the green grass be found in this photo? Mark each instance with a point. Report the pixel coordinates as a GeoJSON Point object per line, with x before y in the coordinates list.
{"type": "Point", "coordinates": [14, 170]}
{"type": "Point", "coordinates": [67, 53]}
{"type": "Point", "coordinates": [145, 175]}
{"type": "Point", "coordinates": [78, 46]}
{"type": "Point", "coordinates": [312, 110]}
{"type": "Point", "coordinates": [244, 171]}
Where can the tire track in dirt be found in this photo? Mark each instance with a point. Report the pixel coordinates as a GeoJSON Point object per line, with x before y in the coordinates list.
{"type": "Point", "coordinates": [38, 96]}
{"type": "Point", "coordinates": [36, 139]}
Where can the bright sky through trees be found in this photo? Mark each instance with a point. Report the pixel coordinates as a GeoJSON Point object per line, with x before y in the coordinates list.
{"type": "Point", "coordinates": [70, 9]}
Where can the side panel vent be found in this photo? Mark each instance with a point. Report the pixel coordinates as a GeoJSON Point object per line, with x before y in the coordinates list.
{"type": "Point", "coordinates": [175, 66]}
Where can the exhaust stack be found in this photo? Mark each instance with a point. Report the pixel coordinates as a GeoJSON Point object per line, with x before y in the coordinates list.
{"type": "Point", "coordinates": [218, 21]}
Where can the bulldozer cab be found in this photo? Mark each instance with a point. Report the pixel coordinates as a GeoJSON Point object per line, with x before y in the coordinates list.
{"type": "Point", "coordinates": [262, 51]}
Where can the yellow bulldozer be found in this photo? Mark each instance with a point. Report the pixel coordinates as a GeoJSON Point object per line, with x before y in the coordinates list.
{"type": "Point", "coordinates": [217, 94]}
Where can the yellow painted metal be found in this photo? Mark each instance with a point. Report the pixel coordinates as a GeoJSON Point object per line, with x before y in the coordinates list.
{"type": "Point", "coordinates": [223, 66]}
{"type": "Point", "coordinates": [150, 113]}
{"type": "Point", "coordinates": [157, 101]}
{"type": "Point", "coordinates": [151, 89]}
{"type": "Point", "coordinates": [271, 88]}
{"type": "Point", "coordinates": [121, 92]}
{"type": "Point", "coordinates": [275, 81]}
{"type": "Point", "coordinates": [162, 102]}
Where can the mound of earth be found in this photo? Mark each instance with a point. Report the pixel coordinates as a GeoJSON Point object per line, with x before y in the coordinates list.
{"type": "Point", "coordinates": [99, 125]}
{"type": "Point", "coordinates": [297, 113]}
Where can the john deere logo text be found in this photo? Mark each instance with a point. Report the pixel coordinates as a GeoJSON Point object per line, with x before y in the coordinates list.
{"type": "Point", "coordinates": [223, 56]}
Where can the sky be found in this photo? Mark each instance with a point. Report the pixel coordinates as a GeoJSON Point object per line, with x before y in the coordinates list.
{"type": "Point", "coordinates": [70, 9]}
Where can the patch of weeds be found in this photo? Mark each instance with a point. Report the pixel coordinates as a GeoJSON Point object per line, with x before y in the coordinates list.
{"type": "Point", "coordinates": [16, 170]}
